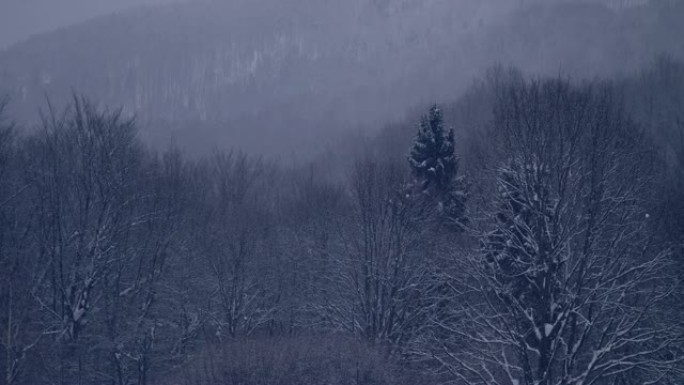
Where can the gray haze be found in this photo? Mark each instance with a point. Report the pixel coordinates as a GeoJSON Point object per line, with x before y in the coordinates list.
{"type": "Point", "coordinates": [275, 76]}
{"type": "Point", "coordinates": [20, 19]}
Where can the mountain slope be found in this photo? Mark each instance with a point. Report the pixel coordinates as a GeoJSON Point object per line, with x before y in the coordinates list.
{"type": "Point", "coordinates": [276, 76]}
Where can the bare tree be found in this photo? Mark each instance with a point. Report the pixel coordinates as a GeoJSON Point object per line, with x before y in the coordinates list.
{"type": "Point", "coordinates": [567, 285]}
{"type": "Point", "coordinates": [82, 172]}
{"type": "Point", "coordinates": [381, 267]}
{"type": "Point", "coordinates": [17, 280]}
{"type": "Point", "coordinates": [144, 327]}
{"type": "Point", "coordinates": [238, 217]}
{"type": "Point", "coordinates": [308, 239]}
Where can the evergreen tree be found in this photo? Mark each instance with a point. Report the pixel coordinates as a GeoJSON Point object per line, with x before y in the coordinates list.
{"type": "Point", "coordinates": [432, 157]}
{"type": "Point", "coordinates": [435, 167]}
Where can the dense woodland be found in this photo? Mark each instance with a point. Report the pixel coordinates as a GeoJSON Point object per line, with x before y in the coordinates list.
{"type": "Point", "coordinates": [530, 233]}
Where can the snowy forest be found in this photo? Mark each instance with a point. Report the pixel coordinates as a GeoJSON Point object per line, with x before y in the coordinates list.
{"type": "Point", "coordinates": [524, 228]}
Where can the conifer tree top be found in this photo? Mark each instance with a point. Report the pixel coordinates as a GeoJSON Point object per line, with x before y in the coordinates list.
{"type": "Point", "coordinates": [432, 156]}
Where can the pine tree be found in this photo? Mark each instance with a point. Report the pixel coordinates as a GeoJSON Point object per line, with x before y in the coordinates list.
{"type": "Point", "coordinates": [435, 167]}
{"type": "Point", "coordinates": [432, 157]}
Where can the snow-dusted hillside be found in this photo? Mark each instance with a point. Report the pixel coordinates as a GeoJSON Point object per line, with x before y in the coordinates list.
{"type": "Point", "coordinates": [236, 71]}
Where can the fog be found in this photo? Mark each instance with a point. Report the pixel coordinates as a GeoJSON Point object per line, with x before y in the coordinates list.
{"type": "Point", "coordinates": [242, 71]}
{"type": "Point", "coordinates": [20, 19]}
{"type": "Point", "coordinates": [342, 192]}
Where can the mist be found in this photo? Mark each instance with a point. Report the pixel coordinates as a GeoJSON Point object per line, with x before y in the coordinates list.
{"type": "Point", "coordinates": [387, 192]}
{"type": "Point", "coordinates": [21, 19]}
{"type": "Point", "coordinates": [240, 72]}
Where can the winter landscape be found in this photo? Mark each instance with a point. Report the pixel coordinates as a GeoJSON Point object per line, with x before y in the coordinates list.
{"type": "Point", "coordinates": [327, 192]}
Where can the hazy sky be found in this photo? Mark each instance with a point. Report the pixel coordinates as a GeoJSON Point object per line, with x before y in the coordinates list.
{"type": "Point", "coordinates": [20, 19]}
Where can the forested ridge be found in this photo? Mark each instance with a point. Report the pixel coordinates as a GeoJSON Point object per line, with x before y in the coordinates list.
{"type": "Point", "coordinates": [530, 233]}
{"type": "Point", "coordinates": [229, 73]}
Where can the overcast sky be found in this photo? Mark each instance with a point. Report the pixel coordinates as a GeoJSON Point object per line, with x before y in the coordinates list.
{"type": "Point", "coordinates": [20, 19]}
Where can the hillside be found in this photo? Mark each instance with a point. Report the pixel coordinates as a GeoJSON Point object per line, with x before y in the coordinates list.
{"type": "Point", "coordinates": [225, 74]}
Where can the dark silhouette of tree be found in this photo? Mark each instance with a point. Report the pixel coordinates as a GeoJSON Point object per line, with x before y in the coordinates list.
{"type": "Point", "coordinates": [435, 168]}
